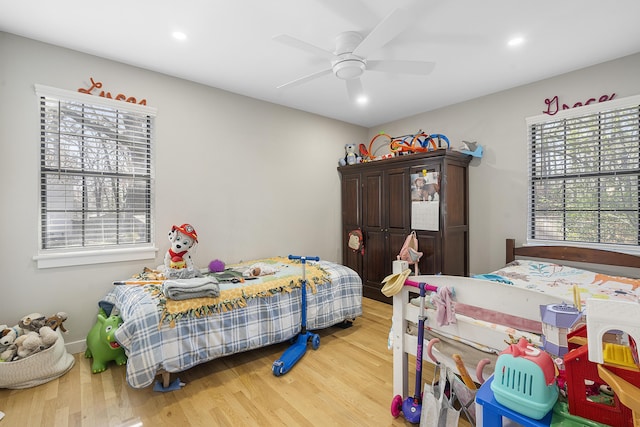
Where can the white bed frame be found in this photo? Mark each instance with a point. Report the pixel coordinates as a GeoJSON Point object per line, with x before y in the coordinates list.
{"type": "Point", "coordinates": [487, 294]}
{"type": "Point", "coordinates": [490, 295]}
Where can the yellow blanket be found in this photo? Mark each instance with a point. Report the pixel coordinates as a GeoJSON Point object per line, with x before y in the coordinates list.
{"type": "Point", "coordinates": [287, 277]}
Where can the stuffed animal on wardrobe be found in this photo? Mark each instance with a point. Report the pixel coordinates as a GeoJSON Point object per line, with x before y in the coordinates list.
{"type": "Point", "coordinates": [350, 157]}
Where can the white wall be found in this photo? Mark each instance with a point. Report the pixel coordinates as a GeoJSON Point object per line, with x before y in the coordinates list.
{"type": "Point", "coordinates": [498, 181]}
{"type": "Point", "coordinates": [261, 179]}
{"type": "Point", "coordinates": [253, 178]}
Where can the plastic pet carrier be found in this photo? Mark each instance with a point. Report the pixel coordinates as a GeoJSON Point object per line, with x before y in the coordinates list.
{"type": "Point", "coordinates": [524, 380]}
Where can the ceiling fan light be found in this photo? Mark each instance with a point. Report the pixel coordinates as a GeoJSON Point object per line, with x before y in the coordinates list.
{"type": "Point", "coordinates": [179, 35]}
{"type": "Point", "coordinates": [516, 41]}
{"type": "Point", "coordinates": [349, 69]}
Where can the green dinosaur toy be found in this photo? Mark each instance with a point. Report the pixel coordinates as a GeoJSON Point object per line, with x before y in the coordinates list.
{"type": "Point", "coordinates": [102, 345]}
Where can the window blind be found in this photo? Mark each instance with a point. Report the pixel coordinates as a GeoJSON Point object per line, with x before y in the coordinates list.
{"type": "Point", "coordinates": [96, 171]}
{"type": "Point", "coordinates": [584, 173]}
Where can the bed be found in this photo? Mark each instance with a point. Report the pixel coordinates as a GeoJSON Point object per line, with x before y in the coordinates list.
{"type": "Point", "coordinates": [163, 336]}
{"type": "Point", "coordinates": [504, 305]}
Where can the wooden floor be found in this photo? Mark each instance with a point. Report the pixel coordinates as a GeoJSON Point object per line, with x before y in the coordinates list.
{"type": "Point", "coordinates": [346, 382]}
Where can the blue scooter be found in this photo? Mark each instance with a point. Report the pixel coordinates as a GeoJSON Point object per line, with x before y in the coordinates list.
{"type": "Point", "coordinates": [299, 347]}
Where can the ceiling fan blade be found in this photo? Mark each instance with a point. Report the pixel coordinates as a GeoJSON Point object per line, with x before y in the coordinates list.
{"type": "Point", "coordinates": [421, 68]}
{"type": "Point", "coordinates": [305, 79]}
{"type": "Point", "coordinates": [354, 89]}
{"type": "Point", "coordinates": [302, 45]}
{"type": "Point", "coordinates": [392, 25]}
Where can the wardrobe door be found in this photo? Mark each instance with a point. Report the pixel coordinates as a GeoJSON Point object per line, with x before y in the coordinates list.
{"type": "Point", "coordinates": [351, 218]}
{"type": "Point", "coordinates": [397, 208]}
{"type": "Point", "coordinates": [374, 234]}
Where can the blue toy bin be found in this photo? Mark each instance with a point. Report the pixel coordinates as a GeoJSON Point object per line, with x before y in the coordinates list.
{"type": "Point", "coordinates": [520, 385]}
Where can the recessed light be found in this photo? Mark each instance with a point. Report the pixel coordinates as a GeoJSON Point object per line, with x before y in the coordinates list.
{"type": "Point", "coordinates": [362, 99]}
{"type": "Point", "coordinates": [516, 41]}
{"type": "Point", "coordinates": [178, 35]}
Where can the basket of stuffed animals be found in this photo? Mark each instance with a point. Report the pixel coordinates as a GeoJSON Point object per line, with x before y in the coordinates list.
{"type": "Point", "coordinates": [37, 368]}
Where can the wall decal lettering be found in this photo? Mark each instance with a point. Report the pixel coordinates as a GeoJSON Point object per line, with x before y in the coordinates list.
{"type": "Point", "coordinates": [119, 97]}
{"type": "Point", "coordinates": [553, 104]}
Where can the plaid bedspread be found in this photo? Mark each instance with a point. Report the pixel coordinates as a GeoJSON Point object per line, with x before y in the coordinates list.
{"type": "Point", "coordinates": [152, 345]}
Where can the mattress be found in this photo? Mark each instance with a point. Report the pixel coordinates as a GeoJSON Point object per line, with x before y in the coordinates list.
{"type": "Point", "coordinates": [558, 280]}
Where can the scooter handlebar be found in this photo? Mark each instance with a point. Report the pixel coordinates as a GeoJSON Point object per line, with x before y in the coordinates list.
{"type": "Point", "coordinates": [304, 258]}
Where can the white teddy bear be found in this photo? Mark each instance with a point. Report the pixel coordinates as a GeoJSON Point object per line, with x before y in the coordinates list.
{"type": "Point", "coordinates": [33, 342]}
{"type": "Point", "coordinates": [351, 157]}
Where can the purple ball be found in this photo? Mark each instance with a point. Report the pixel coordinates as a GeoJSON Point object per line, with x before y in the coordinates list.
{"type": "Point", "coordinates": [216, 266]}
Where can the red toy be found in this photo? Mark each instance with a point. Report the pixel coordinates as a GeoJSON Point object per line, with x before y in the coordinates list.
{"type": "Point", "coordinates": [578, 368]}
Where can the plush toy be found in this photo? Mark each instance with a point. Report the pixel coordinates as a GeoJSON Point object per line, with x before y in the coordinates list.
{"type": "Point", "coordinates": [350, 157]}
{"type": "Point", "coordinates": [3, 346]}
{"type": "Point", "coordinates": [56, 321]}
{"type": "Point", "coordinates": [9, 335]}
{"type": "Point", "coordinates": [260, 269]}
{"type": "Point", "coordinates": [28, 344]}
{"type": "Point", "coordinates": [8, 354]}
{"type": "Point", "coordinates": [177, 261]}
{"type": "Point", "coordinates": [33, 322]}
{"type": "Point", "coordinates": [102, 345]}
{"type": "Point", "coordinates": [33, 342]}
{"type": "Point", "coordinates": [216, 266]}
{"type": "Point", "coordinates": [48, 335]}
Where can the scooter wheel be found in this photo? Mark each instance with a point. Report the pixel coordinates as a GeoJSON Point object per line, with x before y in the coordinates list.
{"type": "Point", "coordinates": [315, 342]}
{"type": "Point", "coordinates": [277, 368]}
{"type": "Point", "coordinates": [396, 406]}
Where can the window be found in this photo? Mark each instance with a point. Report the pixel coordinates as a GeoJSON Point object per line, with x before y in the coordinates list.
{"type": "Point", "coordinates": [96, 179]}
{"type": "Point", "coordinates": [584, 172]}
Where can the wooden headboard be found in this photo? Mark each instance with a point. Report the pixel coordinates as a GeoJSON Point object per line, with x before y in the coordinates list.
{"type": "Point", "coordinates": [571, 253]}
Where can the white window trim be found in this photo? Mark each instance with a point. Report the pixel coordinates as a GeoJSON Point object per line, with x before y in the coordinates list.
{"type": "Point", "coordinates": [70, 95]}
{"type": "Point", "coordinates": [61, 258]}
{"type": "Point", "coordinates": [93, 256]}
{"type": "Point", "coordinates": [569, 113]}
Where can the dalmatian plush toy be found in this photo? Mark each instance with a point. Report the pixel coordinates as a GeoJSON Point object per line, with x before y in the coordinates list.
{"type": "Point", "coordinates": [177, 261]}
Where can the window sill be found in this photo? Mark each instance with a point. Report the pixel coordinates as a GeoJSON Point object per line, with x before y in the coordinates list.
{"type": "Point", "coordinates": [67, 259]}
{"type": "Point", "coordinates": [625, 249]}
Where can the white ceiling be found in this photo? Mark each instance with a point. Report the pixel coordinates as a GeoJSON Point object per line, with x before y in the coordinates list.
{"type": "Point", "coordinates": [230, 44]}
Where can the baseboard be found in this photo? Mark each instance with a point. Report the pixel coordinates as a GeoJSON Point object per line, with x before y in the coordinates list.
{"type": "Point", "coordinates": [76, 346]}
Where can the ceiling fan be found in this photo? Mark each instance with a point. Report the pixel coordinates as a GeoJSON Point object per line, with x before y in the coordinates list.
{"type": "Point", "coordinates": [349, 60]}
